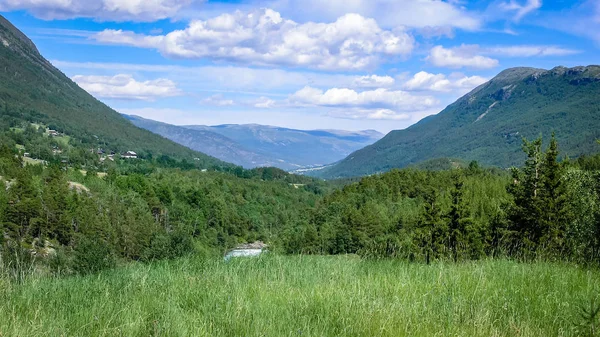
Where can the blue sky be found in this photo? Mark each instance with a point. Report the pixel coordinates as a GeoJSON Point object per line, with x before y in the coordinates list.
{"type": "Point", "coordinates": [308, 64]}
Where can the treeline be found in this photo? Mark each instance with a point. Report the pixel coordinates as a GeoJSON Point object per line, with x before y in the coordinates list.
{"type": "Point", "coordinates": [64, 221]}
{"type": "Point", "coordinates": [546, 209]}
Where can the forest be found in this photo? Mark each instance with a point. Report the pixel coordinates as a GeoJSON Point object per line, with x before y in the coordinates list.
{"type": "Point", "coordinates": [84, 215]}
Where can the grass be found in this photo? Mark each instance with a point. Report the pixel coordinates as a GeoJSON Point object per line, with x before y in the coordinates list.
{"type": "Point", "coordinates": [304, 296]}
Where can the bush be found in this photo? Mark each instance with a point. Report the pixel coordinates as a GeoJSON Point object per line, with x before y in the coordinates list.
{"type": "Point", "coordinates": [92, 256]}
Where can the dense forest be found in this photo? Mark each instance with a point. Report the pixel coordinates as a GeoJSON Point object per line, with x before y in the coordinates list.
{"type": "Point", "coordinates": [547, 209]}
{"type": "Point", "coordinates": [63, 210]}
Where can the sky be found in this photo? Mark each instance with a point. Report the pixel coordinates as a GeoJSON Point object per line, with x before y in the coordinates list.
{"type": "Point", "coordinates": [306, 64]}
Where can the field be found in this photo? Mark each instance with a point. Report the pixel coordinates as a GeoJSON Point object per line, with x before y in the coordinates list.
{"type": "Point", "coordinates": [304, 296]}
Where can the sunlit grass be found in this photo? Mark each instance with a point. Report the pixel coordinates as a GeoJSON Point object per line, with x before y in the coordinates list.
{"type": "Point", "coordinates": [304, 296]}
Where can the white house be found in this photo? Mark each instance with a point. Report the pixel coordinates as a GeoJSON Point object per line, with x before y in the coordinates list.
{"type": "Point", "coordinates": [129, 155]}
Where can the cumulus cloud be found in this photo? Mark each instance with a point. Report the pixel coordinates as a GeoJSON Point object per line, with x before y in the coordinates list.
{"type": "Point", "coordinates": [459, 57]}
{"type": "Point", "coordinates": [218, 100]}
{"type": "Point", "coordinates": [374, 81]}
{"type": "Point", "coordinates": [371, 99]}
{"type": "Point", "coordinates": [424, 81]}
{"type": "Point", "coordinates": [124, 86]}
{"type": "Point", "coordinates": [520, 10]}
{"type": "Point", "coordinates": [263, 37]}
{"type": "Point", "coordinates": [104, 10]}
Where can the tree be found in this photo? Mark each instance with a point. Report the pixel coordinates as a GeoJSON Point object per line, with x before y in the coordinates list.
{"type": "Point", "coordinates": [539, 214]}
{"type": "Point", "coordinates": [432, 230]}
{"type": "Point", "coordinates": [460, 236]}
{"type": "Point", "coordinates": [553, 199]}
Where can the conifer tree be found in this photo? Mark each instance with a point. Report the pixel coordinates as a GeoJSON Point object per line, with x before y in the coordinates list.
{"type": "Point", "coordinates": [432, 230]}
{"type": "Point", "coordinates": [460, 223]}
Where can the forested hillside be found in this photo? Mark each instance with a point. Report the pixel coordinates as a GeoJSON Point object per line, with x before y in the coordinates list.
{"type": "Point", "coordinates": [547, 209]}
{"type": "Point", "coordinates": [488, 123]}
{"type": "Point", "coordinates": [33, 90]}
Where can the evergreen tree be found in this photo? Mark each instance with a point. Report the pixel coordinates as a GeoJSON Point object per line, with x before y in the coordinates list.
{"type": "Point", "coordinates": [432, 231]}
{"type": "Point", "coordinates": [553, 201]}
{"type": "Point", "coordinates": [525, 212]}
{"type": "Point", "coordinates": [460, 224]}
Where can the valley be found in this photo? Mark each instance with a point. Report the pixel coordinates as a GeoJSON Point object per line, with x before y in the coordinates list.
{"type": "Point", "coordinates": [480, 220]}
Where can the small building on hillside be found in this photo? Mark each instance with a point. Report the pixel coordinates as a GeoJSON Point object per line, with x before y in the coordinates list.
{"type": "Point", "coordinates": [53, 133]}
{"type": "Point", "coordinates": [129, 155]}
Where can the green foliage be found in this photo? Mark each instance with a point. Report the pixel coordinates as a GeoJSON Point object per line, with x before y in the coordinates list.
{"type": "Point", "coordinates": [92, 256]}
{"type": "Point", "coordinates": [539, 216]}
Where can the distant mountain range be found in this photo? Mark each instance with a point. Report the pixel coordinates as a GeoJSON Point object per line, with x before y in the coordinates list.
{"type": "Point", "coordinates": [488, 123]}
{"type": "Point", "coordinates": [253, 145]}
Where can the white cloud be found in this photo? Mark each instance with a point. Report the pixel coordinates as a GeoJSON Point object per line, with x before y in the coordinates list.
{"type": "Point", "coordinates": [472, 56]}
{"type": "Point", "coordinates": [373, 114]}
{"type": "Point", "coordinates": [424, 81]}
{"type": "Point", "coordinates": [459, 57]}
{"type": "Point", "coordinates": [264, 103]}
{"type": "Point", "coordinates": [263, 37]}
{"type": "Point", "coordinates": [374, 81]}
{"type": "Point", "coordinates": [370, 99]}
{"type": "Point", "coordinates": [104, 10]}
{"type": "Point", "coordinates": [388, 13]}
{"type": "Point", "coordinates": [529, 50]}
{"type": "Point", "coordinates": [124, 86]}
{"type": "Point", "coordinates": [254, 81]}
{"type": "Point", "coordinates": [521, 10]}
{"type": "Point", "coordinates": [218, 100]}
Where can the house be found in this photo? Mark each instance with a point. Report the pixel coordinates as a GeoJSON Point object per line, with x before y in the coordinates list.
{"type": "Point", "coordinates": [27, 155]}
{"type": "Point", "coordinates": [53, 133]}
{"type": "Point", "coordinates": [129, 155]}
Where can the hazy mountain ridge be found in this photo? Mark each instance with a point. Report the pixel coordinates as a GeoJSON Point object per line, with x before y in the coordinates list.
{"type": "Point", "coordinates": [254, 145]}
{"type": "Point", "coordinates": [488, 123]}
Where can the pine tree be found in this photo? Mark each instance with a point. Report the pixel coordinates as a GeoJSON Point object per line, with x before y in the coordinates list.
{"type": "Point", "coordinates": [553, 199]}
{"type": "Point", "coordinates": [526, 211]}
{"type": "Point", "coordinates": [460, 223]}
{"type": "Point", "coordinates": [432, 230]}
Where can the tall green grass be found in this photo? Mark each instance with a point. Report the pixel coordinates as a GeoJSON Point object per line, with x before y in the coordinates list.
{"type": "Point", "coordinates": [304, 296]}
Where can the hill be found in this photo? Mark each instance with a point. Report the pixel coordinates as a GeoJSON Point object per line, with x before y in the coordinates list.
{"type": "Point", "coordinates": [32, 89]}
{"type": "Point", "coordinates": [488, 123]}
{"type": "Point", "coordinates": [253, 145]}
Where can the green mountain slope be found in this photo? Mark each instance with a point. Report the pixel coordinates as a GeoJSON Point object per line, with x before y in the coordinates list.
{"type": "Point", "coordinates": [32, 89]}
{"type": "Point", "coordinates": [488, 123]}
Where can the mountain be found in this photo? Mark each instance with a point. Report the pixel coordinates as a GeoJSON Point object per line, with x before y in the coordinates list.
{"type": "Point", "coordinates": [205, 141]}
{"type": "Point", "coordinates": [253, 145]}
{"type": "Point", "coordinates": [488, 123]}
{"type": "Point", "coordinates": [32, 89]}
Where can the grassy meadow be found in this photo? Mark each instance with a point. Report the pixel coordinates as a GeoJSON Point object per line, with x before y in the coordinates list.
{"type": "Point", "coordinates": [305, 296]}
